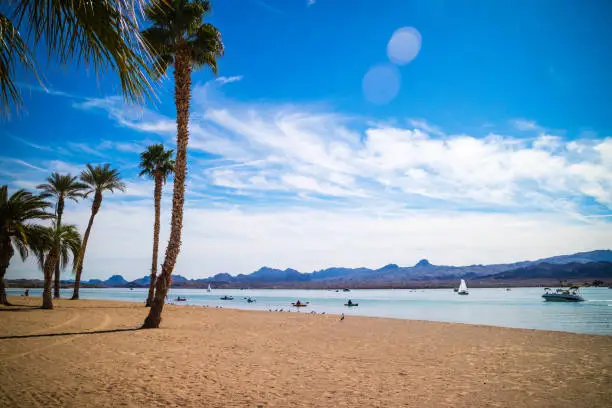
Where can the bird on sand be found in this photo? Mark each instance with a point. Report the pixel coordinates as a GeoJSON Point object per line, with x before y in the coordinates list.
{"type": "Point", "coordinates": [342, 318]}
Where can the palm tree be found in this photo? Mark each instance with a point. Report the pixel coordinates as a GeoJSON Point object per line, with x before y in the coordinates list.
{"type": "Point", "coordinates": [178, 37]}
{"type": "Point", "coordinates": [98, 180]}
{"type": "Point", "coordinates": [156, 163]}
{"type": "Point", "coordinates": [52, 248]}
{"type": "Point", "coordinates": [101, 34]}
{"type": "Point", "coordinates": [62, 187]}
{"type": "Point", "coordinates": [16, 212]}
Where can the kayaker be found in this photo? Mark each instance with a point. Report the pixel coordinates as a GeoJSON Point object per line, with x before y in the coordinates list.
{"type": "Point", "coordinates": [298, 303]}
{"type": "Point", "coordinates": [350, 302]}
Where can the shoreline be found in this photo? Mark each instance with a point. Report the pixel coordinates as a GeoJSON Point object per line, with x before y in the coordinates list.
{"type": "Point", "coordinates": [91, 353]}
{"type": "Point", "coordinates": [140, 305]}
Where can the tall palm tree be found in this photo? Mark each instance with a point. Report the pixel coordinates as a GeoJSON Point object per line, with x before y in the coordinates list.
{"type": "Point", "coordinates": [156, 163]}
{"type": "Point", "coordinates": [53, 246]}
{"type": "Point", "coordinates": [61, 187]}
{"type": "Point", "coordinates": [16, 232]}
{"type": "Point", "coordinates": [101, 34]}
{"type": "Point", "coordinates": [98, 180]}
{"type": "Point", "coordinates": [179, 38]}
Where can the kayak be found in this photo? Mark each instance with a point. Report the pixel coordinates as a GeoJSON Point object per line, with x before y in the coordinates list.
{"type": "Point", "coordinates": [227, 298]}
{"type": "Point", "coordinates": [300, 305]}
{"type": "Point", "coordinates": [351, 305]}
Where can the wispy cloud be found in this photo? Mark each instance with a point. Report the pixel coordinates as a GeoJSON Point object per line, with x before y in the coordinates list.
{"type": "Point", "coordinates": [268, 6]}
{"type": "Point", "coordinates": [311, 154]}
{"type": "Point", "coordinates": [21, 163]}
{"type": "Point", "coordinates": [527, 125]}
{"type": "Point", "coordinates": [226, 80]}
{"type": "Point", "coordinates": [310, 2]}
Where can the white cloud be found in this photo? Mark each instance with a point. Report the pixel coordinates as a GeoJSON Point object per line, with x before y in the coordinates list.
{"type": "Point", "coordinates": [312, 153]}
{"type": "Point", "coordinates": [310, 2]}
{"type": "Point", "coordinates": [527, 125]}
{"type": "Point", "coordinates": [226, 80]}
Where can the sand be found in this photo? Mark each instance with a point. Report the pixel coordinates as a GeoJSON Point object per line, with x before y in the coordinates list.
{"type": "Point", "coordinates": [89, 353]}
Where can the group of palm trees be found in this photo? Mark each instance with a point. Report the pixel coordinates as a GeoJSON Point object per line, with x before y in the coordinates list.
{"type": "Point", "coordinates": [105, 34]}
{"type": "Point", "coordinates": [53, 245]}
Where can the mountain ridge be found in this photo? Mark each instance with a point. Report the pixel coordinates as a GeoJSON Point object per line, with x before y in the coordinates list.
{"type": "Point", "coordinates": [390, 274]}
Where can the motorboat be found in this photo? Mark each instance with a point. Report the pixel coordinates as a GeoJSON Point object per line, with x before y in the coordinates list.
{"type": "Point", "coordinates": [463, 290]}
{"type": "Point", "coordinates": [563, 295]}
{"type": "Point", "coordinates": [351, 304]}
{"type": "Point", "coordinates": [250, 300]}
{"type": "Point", "coordinates": [181, 299]}
{"type": "Point", "coordinates": [455, 290]}
{"type": "Point", "coordinates": [227, 297]}
{"type": "Point", "coordinates": [346, 290]}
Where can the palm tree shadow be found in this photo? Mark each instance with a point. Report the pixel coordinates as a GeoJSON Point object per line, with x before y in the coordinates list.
{"type": "Point", "coordinates": [19, 308]}
{"type": "Point", "coordinates": [33, 336]}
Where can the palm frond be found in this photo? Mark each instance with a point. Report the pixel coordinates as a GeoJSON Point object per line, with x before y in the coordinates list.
{"type": "Point", "coordinates": [13, 50]}
{"type": "Point", "coordinates": [102, 34]}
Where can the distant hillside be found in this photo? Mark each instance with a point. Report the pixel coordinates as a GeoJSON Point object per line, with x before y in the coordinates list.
{"type": "Point", "coordinates": [572, 271]}
{"type": "Point", "coordinates": [594, 265]}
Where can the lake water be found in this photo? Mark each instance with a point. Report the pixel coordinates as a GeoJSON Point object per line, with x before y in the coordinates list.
{"type": "Point", "coordinates": [520, 307]}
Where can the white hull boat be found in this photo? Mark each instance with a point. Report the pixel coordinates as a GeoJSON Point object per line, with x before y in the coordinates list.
{"type": "Point", "coordinates": [563, 295]}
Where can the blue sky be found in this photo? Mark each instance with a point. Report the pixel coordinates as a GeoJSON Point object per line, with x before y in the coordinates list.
{"type": "Point", "coordinates": [495, 144]}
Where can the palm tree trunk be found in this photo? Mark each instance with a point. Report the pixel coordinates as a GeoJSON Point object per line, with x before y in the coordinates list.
{"type": "Point", "coordinates": [95, 207]}
{"type": "Point", "coordinates": [60, 211]}
{"type": "Point", "coordinates": [50, 262]}
{"type": "Point", "coordinates": [6, 253]}
{"type": "Point", "coordinates": [157, 198]}
{"type": "Point", "coordinates": [182, 95]}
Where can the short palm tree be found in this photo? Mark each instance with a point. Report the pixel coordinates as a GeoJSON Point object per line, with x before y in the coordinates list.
{"type": "Point", "coordinates": [16, 213]}
{"type": "Point", "coordinates": [179, 38]}
{"type": "Point", "coordinates": [98, 180]}
{"type": "Point", "coordinates": [101, 34]}
{"type": "Point", "coordinates": [157, 164]}
{"type": "Point", "coordinates": [53, 246]}
{"type": "Point", "coordinates": [61, 187]}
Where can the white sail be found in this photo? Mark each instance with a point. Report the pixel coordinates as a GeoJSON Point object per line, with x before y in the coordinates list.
{"type": "Point", "coordinates": [463, 287]}
{"type": "Point", "coordinates": [209, 288]}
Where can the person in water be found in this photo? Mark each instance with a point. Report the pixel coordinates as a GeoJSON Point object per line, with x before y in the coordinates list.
{"type": "Point", "coordinates": [350, 302]}
{"type": "Point", "coordinates": [27, 292]}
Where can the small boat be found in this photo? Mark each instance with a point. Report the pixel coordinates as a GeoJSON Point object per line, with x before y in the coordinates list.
{"type": "Point", "coordinates": [455, 289]}
{"type": "Point", "coordinates": [209, 288]}
{"type": "Point", "coordinates": [131, 288]}
{"type": "Point", "coordinates": [250, 300]}
{"type": "Point", "coordinates": [300, 304]}
{"type": "Point", "coordinates": [463, 290]}
{"type": "Point", "coordinates": [346, 290]}
{"type": "Point", "coordinates": [227, 297]}
{"type": "Point", "coordinates": [351, 304]}
{"type": "Point", "coordinates": [181, 299]}
{"type": "Point", "coordinates": [508, 289]}
{"type": "Point", "coordinates": [563, 295]}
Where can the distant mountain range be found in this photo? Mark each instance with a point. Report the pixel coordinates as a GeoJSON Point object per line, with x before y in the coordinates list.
{"type": "Point", "coordinates": [583, 265]}
{"type": "Point", "coordinates": [579, 268]}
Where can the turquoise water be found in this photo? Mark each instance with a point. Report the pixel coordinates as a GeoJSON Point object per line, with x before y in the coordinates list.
{"type": "Point", "coordinates": [520, 307]}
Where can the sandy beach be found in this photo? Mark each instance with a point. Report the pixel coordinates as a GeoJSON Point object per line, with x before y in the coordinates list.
{"type": "Point", "coordinates": [90, 353]}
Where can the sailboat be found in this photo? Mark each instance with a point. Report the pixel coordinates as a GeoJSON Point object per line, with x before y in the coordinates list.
{"type": "Point", "coordinates": [463, 290]}
{"type": "Point", "coordinates": [209, 288]}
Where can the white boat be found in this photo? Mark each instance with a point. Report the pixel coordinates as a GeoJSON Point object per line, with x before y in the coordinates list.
{"type": "Point", "coordinates": [463, 290]}
{"type": "Point", "coordinates": [209, 288]}
{"type": "Point", "coordinates": [563, 295]}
